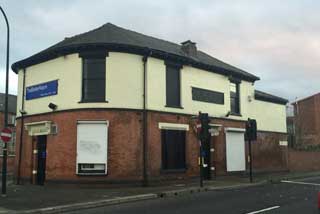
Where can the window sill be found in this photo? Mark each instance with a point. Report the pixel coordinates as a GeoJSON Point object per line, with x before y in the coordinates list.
{"type": "Point", "coordinates": [235, 114]}
{"type": "Point", "coordinates": [168, 106]}
{"type": "Point", "coordinates": [91, 174]}
{"type": "Point", "coordinates": [173, 171]}
{"type": "Point", "coordinates": [93, 101]}
{"type": "Point", "coordinates": [8, 155]}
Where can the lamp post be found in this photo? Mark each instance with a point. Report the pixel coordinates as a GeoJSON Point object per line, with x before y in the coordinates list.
{"type": "Point", "coordinates": [4, 162]}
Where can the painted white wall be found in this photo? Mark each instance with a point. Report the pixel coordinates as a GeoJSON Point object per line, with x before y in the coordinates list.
{"type": "Point", "coordinates": [189, 77]}
{"type": "Point", "coordinates": [269, 116]}
{"type": "Point", "coordinates": [193, 77]}
{"type": "Point", "coordinates": [123, 83]}
{"type": "Point", "coordinates": [124, 88]}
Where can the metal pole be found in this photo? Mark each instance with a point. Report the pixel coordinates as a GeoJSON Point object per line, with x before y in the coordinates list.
{"type": "Point", "coordinates": [4, 162]}
{"type": "Point", "coordinates": [201, 166]}
{"type": "Point", "coordinates": [145, 182]}
{"type": "Point", "coordinates": [250, 161]}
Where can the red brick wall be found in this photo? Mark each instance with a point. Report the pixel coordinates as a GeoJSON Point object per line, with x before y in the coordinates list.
{"type": "Point", "coordinates": [10, 164]}
{"type": "Point", "coordinates": [124, 152]}
{"type": "Point", "coordinates": [267, 154]}
{"type": "Point", "coordinates": [154, 147]}
{"type": "Point", "coordinates": [218, 143]}
{"type": "Point", "coordinates": [125, 146]}
{"type": "Point", "coordinates": [304, 160]}
{"type": "Point", "coordinates": [307, 120]}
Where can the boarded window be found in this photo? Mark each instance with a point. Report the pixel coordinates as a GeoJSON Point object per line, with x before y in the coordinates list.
{"type": "Point", "coordinates": [92, 147]}
{"type": "Point", "coordinates": [173, 86]}
{"type": "Point", "coordinates": [208, 96]}
{"type": "Point", "coordinates": [173, 149]}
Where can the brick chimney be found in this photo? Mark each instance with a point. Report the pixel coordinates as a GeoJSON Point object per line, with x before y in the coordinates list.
{"type": "Point", "coordinates": [189, 48]}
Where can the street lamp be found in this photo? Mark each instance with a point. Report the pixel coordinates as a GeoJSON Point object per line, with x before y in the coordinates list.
{"type": "Point", "coordinates": [4, 162]}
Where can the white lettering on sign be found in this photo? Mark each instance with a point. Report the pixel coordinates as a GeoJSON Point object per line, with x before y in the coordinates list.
{"type": "Point", "coordinates": [37, 88]}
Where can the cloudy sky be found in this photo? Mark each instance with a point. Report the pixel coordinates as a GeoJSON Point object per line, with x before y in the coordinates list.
{"type": "Point", "coordinates": [277, 40]}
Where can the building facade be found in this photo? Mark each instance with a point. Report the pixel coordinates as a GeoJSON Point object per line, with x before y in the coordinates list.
{"type": "Point", "coordinates": [307, 120]}
{"type": "Point", "coordinates": [12, 106]}
{"type": "Point", "coordinates": [114, 105]}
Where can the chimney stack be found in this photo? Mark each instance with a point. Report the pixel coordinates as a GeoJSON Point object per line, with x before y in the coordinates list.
{"type": "Point", "coordinates": [189, 48]}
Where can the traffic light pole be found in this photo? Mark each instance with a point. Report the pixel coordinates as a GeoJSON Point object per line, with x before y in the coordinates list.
{"type": "Point", "coordinates": [250, 161]}
{"type": "Point", "coordinates": [201, 165]}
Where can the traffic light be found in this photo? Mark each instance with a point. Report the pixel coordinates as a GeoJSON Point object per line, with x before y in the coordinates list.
{"type": "Point", "coordinates": [204, 120]}
{"type": "Point", "coordinates": [251, 129]}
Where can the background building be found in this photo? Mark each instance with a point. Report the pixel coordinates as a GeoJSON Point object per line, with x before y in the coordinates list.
{"type": "Point", "coordinates": [307, 120]}
{"type": "Point", "coordinates": [114, 105]}
{"type": "Point", "coordinates": [12, 106]}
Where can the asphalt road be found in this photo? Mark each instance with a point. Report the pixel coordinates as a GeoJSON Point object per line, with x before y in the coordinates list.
{"type": "Point", "coordinates": [299, 197]}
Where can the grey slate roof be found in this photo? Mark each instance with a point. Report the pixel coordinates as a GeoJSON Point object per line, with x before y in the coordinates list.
{"type": "Point", "coordinates": [12, 103]}
{"type": "Point", "coordinates": [259, 95]}
{"type": "Point", "coordinates": [112, 34]}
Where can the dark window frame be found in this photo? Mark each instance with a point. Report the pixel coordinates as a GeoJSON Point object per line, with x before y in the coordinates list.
{"type": "Point", "coordinates": [171, 100]}
{"type": "Point", "coordinates": [91, 59]}
{"type": "Point", "coordinates": [236, 96]}
{"type": "Point", "coordinates": [208, 96]}
{"type": "Point", "coordinates": [176, 162]}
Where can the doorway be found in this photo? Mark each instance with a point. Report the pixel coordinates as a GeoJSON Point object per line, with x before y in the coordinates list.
{"type": "Point", "coordinates": [41, 159]}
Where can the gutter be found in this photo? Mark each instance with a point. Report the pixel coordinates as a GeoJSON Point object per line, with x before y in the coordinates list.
{"type": "Point", "coordinates": [21, 126]}
{"type": "Point", "coordinates": [145, 181]}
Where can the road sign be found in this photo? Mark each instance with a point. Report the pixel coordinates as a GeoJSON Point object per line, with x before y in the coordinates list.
{"type": "Point", "coordinates": [6, 135]}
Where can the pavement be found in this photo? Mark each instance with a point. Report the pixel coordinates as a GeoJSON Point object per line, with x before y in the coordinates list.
{"type": "Point", "coordinates": [74, 198]}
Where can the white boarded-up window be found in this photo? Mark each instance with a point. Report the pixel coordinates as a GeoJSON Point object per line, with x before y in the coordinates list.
{"type": "Point", "coordinates": [235, 149]}
{"type": "Point", "coordinates": [92, 147]}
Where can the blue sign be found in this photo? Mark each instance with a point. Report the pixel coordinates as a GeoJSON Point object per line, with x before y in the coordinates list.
{"type": "Point", "coordinates": [42, 90]}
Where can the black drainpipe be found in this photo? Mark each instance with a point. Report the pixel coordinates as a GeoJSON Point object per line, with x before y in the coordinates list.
{"type": "Point", "coordinates": [21, 125]}
{"type": "Point", "coordinates": [145, 123]}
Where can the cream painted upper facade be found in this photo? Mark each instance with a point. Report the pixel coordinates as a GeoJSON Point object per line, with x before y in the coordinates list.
{"type": "Point", "coordinates": [124, 89]}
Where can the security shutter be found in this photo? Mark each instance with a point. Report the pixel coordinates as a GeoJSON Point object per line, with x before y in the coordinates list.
{"type": "Point", "coordinates": [235, 149]}
{"type": "Point", "coordinates": [92, 147]}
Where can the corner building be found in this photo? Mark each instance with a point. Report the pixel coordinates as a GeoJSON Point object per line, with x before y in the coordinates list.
{"type": "Point", "coordinates": [115, 106]}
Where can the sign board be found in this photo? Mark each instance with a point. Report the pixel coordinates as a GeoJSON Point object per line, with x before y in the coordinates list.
{"type": "Point", "coordinates": [283, 143]}
{"type": "Point", "coordinates": [6, 135]}
{"type": "Point", "coordinates": [42, 90]}
{"type": "Point", "coordinates": [39, 128]}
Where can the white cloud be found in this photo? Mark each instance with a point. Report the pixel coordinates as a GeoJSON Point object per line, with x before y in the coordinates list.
{"type": "Point", "coordinates": [13, 82]}
{"type": "Point", "coordinates": [278, 41]}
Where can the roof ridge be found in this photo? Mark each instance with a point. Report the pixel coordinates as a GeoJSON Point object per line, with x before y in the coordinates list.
{"type": "Point", "coordinates": [136, 32]}
{"type": "Point", "coordinates": [90, 31]}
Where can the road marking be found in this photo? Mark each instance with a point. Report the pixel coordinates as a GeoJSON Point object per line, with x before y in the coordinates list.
{"type": "Point", "coordinates": [263, 210]}
{"type": "Point", "coordinates": [302, 183]}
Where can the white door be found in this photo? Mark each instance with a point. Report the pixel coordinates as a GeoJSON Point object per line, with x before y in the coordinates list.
{"type": "Point", "coordinates": [235, 149]}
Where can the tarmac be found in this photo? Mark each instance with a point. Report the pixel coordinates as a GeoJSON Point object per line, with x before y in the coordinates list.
{"type": "Point", "coordinates": [58, 198]}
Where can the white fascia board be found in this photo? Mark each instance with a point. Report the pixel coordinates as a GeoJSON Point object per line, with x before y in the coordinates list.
{"type": "Point", "coordinates": [93, 122]}
{"type": "Point", "coordinates": [215, 125]}
{"type": "Point", "coordinates": [174, 126]}
{"type": "Point", "coordinates": [230, 129]}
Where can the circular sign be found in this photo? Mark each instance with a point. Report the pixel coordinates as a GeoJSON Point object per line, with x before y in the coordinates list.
{"type": "Point", "coordinates": [6, 135]}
